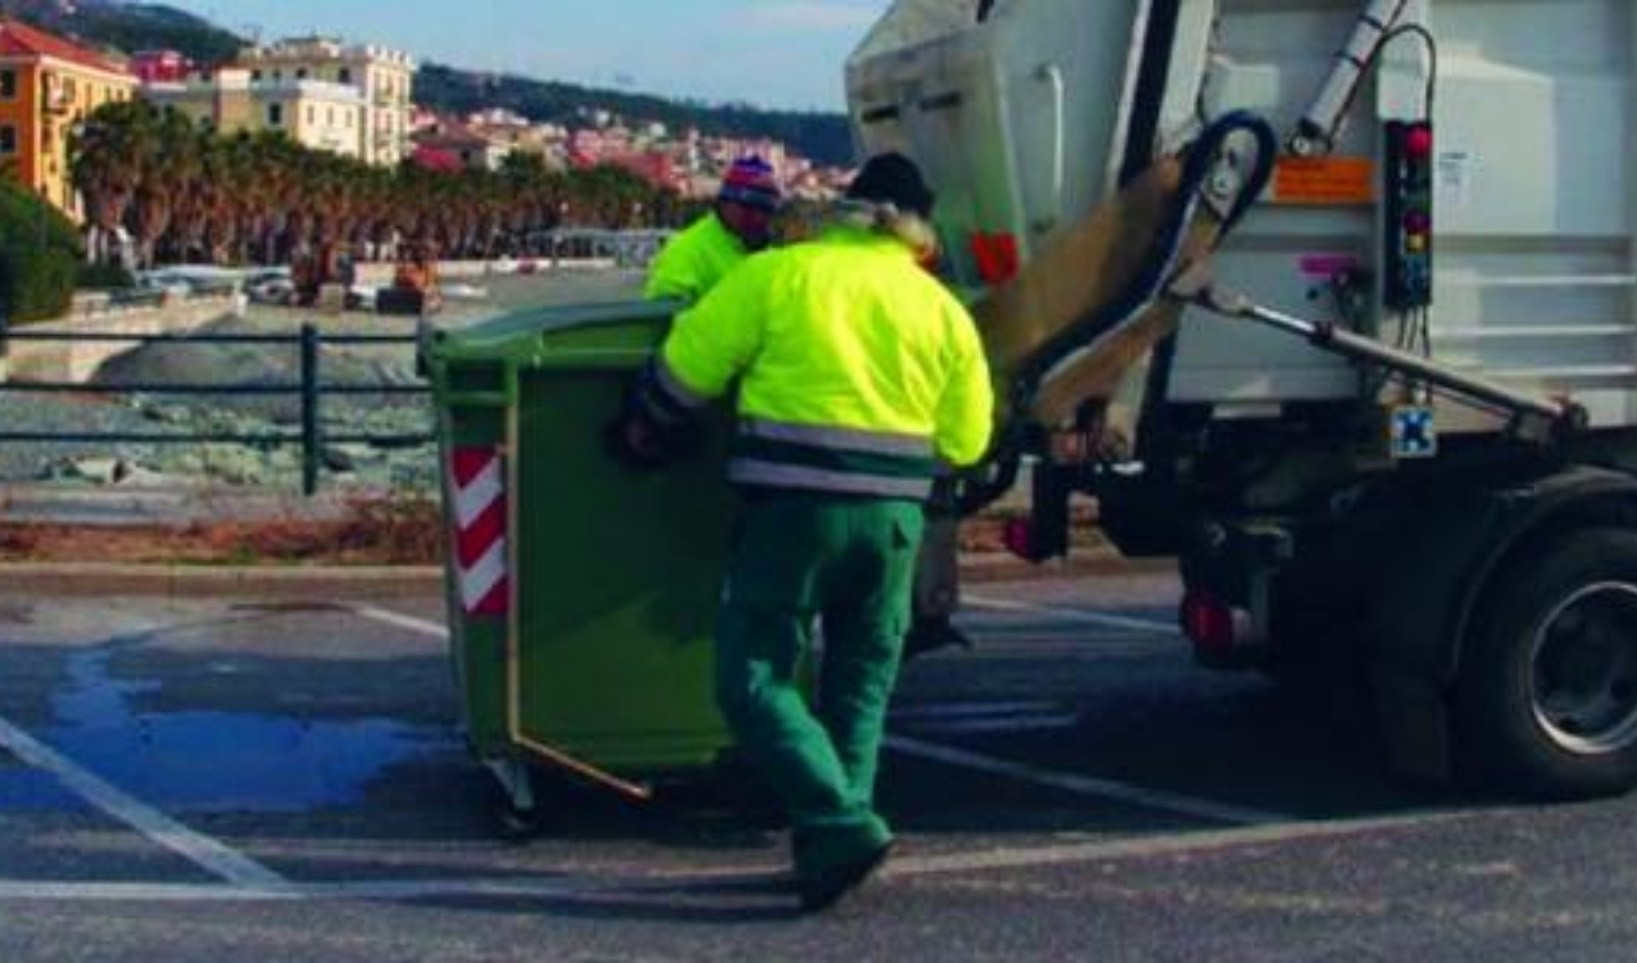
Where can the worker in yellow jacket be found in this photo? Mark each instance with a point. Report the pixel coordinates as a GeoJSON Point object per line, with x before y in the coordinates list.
{"type": "Point", "coordinates": [740, 224]}
{"type": "Point", "coordinates": [858, 374]}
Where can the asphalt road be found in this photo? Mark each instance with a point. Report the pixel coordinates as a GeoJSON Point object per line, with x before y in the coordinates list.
{"type": "Point", "coordinates": [189, 778]}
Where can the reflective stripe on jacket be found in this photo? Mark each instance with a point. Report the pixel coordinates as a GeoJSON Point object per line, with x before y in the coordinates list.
{"type": "Point", "coordinates": [691, 263]}
{"type": "Point", "coordinates": [858, 370]}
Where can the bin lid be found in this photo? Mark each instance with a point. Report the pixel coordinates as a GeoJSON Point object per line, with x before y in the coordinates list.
{"type": "Point", "coordinates": [539, 336]}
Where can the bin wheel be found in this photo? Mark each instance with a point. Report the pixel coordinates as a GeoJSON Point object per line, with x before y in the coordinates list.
{"type": "Point", "coordinates": [1546, 701]}
{"type": "Point", "coordinates": [519, 825]}
{"type": "Point", "coordinates": [518, 819]}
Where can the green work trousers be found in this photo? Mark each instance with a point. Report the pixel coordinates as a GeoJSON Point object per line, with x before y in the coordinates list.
{"type": "Point", "coordinates": [849, 564]}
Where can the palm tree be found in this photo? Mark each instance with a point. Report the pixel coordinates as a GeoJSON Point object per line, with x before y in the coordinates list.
{"type": "Point", "coordinates": [195, 208]}
{"type": "Point", "coordinates": [186, 192]}
{"type": "Point", "coordinates": [227, 219]}
{"type": "Point", "coordinates": [173, 169]}
{"type": "Point", "coordinates": [111, 154]}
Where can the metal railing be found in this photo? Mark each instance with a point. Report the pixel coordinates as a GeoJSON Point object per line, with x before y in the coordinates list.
{"type": "Point", "coordinates": [625, 247]}
{"type": "Point", "coordinates": [310, 389]}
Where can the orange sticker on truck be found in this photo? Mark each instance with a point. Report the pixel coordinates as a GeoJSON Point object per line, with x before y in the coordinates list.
{"type": "Point", "coordinates": [1328, 181]}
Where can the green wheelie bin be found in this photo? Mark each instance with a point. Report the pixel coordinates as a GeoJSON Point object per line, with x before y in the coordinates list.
{"type": "Point", "coordinates": [582, 594]}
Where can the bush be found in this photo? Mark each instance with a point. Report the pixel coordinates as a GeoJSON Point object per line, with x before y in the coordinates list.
{"type": "Point", "coordinates": [39, 257]}
{"type": "Point", "coordinates": [36, 284]}
{"type": "Point", "coordinates": [105, 277]}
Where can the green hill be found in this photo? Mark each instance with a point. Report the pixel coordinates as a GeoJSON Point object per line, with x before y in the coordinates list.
{"type": "Point", "coordinates": [129, 27]}
{"type": "Point", "coordinates": [823, 137]}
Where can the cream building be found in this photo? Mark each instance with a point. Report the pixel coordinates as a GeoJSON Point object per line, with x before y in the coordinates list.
{"type": "Point", "coordinates": [318, 114]}
{"type": "Point", "coordinates": [384, 80]}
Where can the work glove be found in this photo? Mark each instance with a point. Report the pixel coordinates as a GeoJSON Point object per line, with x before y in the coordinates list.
{"type": "Point", "coordinates": [649, 433]}
{"type": "Point", "coordinates": [634, 442]}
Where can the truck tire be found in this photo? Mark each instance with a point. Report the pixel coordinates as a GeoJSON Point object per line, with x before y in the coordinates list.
{"type": "Point", "coordinates": [1546, 700]}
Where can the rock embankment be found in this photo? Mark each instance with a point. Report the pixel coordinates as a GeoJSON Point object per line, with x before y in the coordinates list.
{"type": "Point", "coordinates": [353, 464]}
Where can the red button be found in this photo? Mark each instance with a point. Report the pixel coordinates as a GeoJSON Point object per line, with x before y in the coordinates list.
{"type": "Point", "coordinates": [1418, 142]}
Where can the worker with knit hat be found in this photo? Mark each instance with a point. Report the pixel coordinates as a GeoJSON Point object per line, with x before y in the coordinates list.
{"type": "Point", "coordinates": [740, 223]}
{"type": "Point", "coordinates": [857, 375]}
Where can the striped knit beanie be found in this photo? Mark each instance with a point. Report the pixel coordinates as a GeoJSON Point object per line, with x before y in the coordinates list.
{"type": "Point", "coordinates": [751, 182]}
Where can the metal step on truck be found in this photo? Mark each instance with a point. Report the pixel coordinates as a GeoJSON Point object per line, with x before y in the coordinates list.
{"type": "Point", "coordinates": [1334, 302]}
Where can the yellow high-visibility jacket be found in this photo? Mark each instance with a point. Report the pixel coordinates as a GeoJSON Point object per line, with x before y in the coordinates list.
{"type": "Point", "coordinates": [691, 263]}
{"type": "Point", "coordinates": [858, 370]}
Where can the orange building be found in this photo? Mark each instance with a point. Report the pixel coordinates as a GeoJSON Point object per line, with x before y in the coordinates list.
{"type": "Point", "coordinates": [47, 86]}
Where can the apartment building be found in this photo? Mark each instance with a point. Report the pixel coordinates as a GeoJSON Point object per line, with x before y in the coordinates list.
{"type": "Point", "coordinates": [47, 87]}
{"type": "Point", "coordinates": [314, 113]}
{"type": "Point", "coordinates": [384, 80]}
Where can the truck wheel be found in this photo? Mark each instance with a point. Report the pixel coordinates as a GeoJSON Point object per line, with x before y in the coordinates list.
{"type": "Point", "coordinates": [1546, 702]}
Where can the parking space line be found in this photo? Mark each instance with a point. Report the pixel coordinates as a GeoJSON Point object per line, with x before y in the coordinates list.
{"type": "Point", "coordinates": [1086, 785]}
{"type": "Point", "coordinates": [950, 718]}
{"type": "Point", "coordinates": [681, 883]}
{"type": "Point", "coordinates": [410, 622]}
{"type": "Point", "coordinates": [1002, 724]}
{"type": "Point", "coordinates": [1101, 619]}
{"type": "Point", "coordinates": [948, 755]}
{"type": "Point", "coordinates": [438, 630]}
{"type": "Point", "coordinates": [205, 852]}
{"type": "Point", "coordinates": [20, 890]}
{"type": "Point", "coordinates": [1203, 841]}
{"type": "Point", "coordinates": [769, 876]}
{"type": "Point", "coordinates": [967, 710]}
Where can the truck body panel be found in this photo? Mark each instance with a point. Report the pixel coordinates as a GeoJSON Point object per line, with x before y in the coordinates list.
{"type": "Point", "coordinates": [1533, 207]}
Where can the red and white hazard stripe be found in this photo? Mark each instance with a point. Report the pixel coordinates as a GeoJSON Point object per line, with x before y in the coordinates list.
{"type": "Point", "coordinates": [480, 530]}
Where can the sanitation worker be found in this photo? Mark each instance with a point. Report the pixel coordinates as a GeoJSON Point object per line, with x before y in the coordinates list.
{"type": "Point", "coordinates": [857, 374]}
{"type": "Point", "coordinates": [740, 224]}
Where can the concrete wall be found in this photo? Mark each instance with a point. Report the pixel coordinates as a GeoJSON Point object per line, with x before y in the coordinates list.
{"type": "Point", "coordinates": [78, 360]}
{"type": "Point", "coordinates": [379, 273]}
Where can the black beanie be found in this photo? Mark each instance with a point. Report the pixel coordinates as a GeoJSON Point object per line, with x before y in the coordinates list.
{"type": "Point", "coordinates": [893, 179]}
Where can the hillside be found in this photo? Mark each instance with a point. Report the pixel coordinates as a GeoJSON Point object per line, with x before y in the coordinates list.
{"type": "Point", "coordinates": [822, 137]}
{"type": "Point", "coordinates": [129, 27]}
{"type": "Point", "coordinates": [144, 26]}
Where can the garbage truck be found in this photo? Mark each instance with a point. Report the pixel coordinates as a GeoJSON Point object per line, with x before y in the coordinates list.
{"type": "Point", "coordinates": [1334, 302]}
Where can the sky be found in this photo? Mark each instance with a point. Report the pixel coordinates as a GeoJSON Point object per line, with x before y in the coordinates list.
{"type": "Point", "coordinates": [772, 53]}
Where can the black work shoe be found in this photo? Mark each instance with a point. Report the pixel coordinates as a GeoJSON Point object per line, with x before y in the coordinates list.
{"type": "Point", "coordinates": [931, 634]}
{"type": "Point", "coordinates": [827, 889]}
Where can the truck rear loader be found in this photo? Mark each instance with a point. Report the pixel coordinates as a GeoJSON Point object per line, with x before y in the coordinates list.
{"type": "Point", "coordinates": [1334, 302]}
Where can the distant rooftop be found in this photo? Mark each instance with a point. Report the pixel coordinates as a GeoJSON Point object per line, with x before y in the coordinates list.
{"type": "Point", "coordinates": [18, 39]}
{"type": "Point", "coordinates": [326, 47]}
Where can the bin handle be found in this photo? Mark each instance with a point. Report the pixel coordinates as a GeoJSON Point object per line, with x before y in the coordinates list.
{"type": "Point", "coordinates": [1051, 74]}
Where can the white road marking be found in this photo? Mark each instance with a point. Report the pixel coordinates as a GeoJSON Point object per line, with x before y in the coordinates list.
{"type": "Point", "coordinates": [963, 710]}
{"type": "Point", "coordinates": [969, 717]}
{"type": "Point", "coordinates": [1085, 785]}
{"type": "Point", "coordinates": [1101, 619]}
{"type": "Point", "coordinates": [250, 881]}
{"type": "Point", "coordinates": [1019, 723]}
{"type": "Point", "coordinates": [671, 883]}
{"type": "Point", "coordinates": [1026, 857]}
{"type": "Point", "coordinates": [22, 890]}
{"type": "Point", "coordinates": [196, 847]}
{"type": "Point", "coordinates": [1067, 782]}
{"type": "Point", "coordinates": [698, 883]}
{"type": "Point", "coordinates": [441, 631]}
{"type": "Point", "coordinates": [436, 630]}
